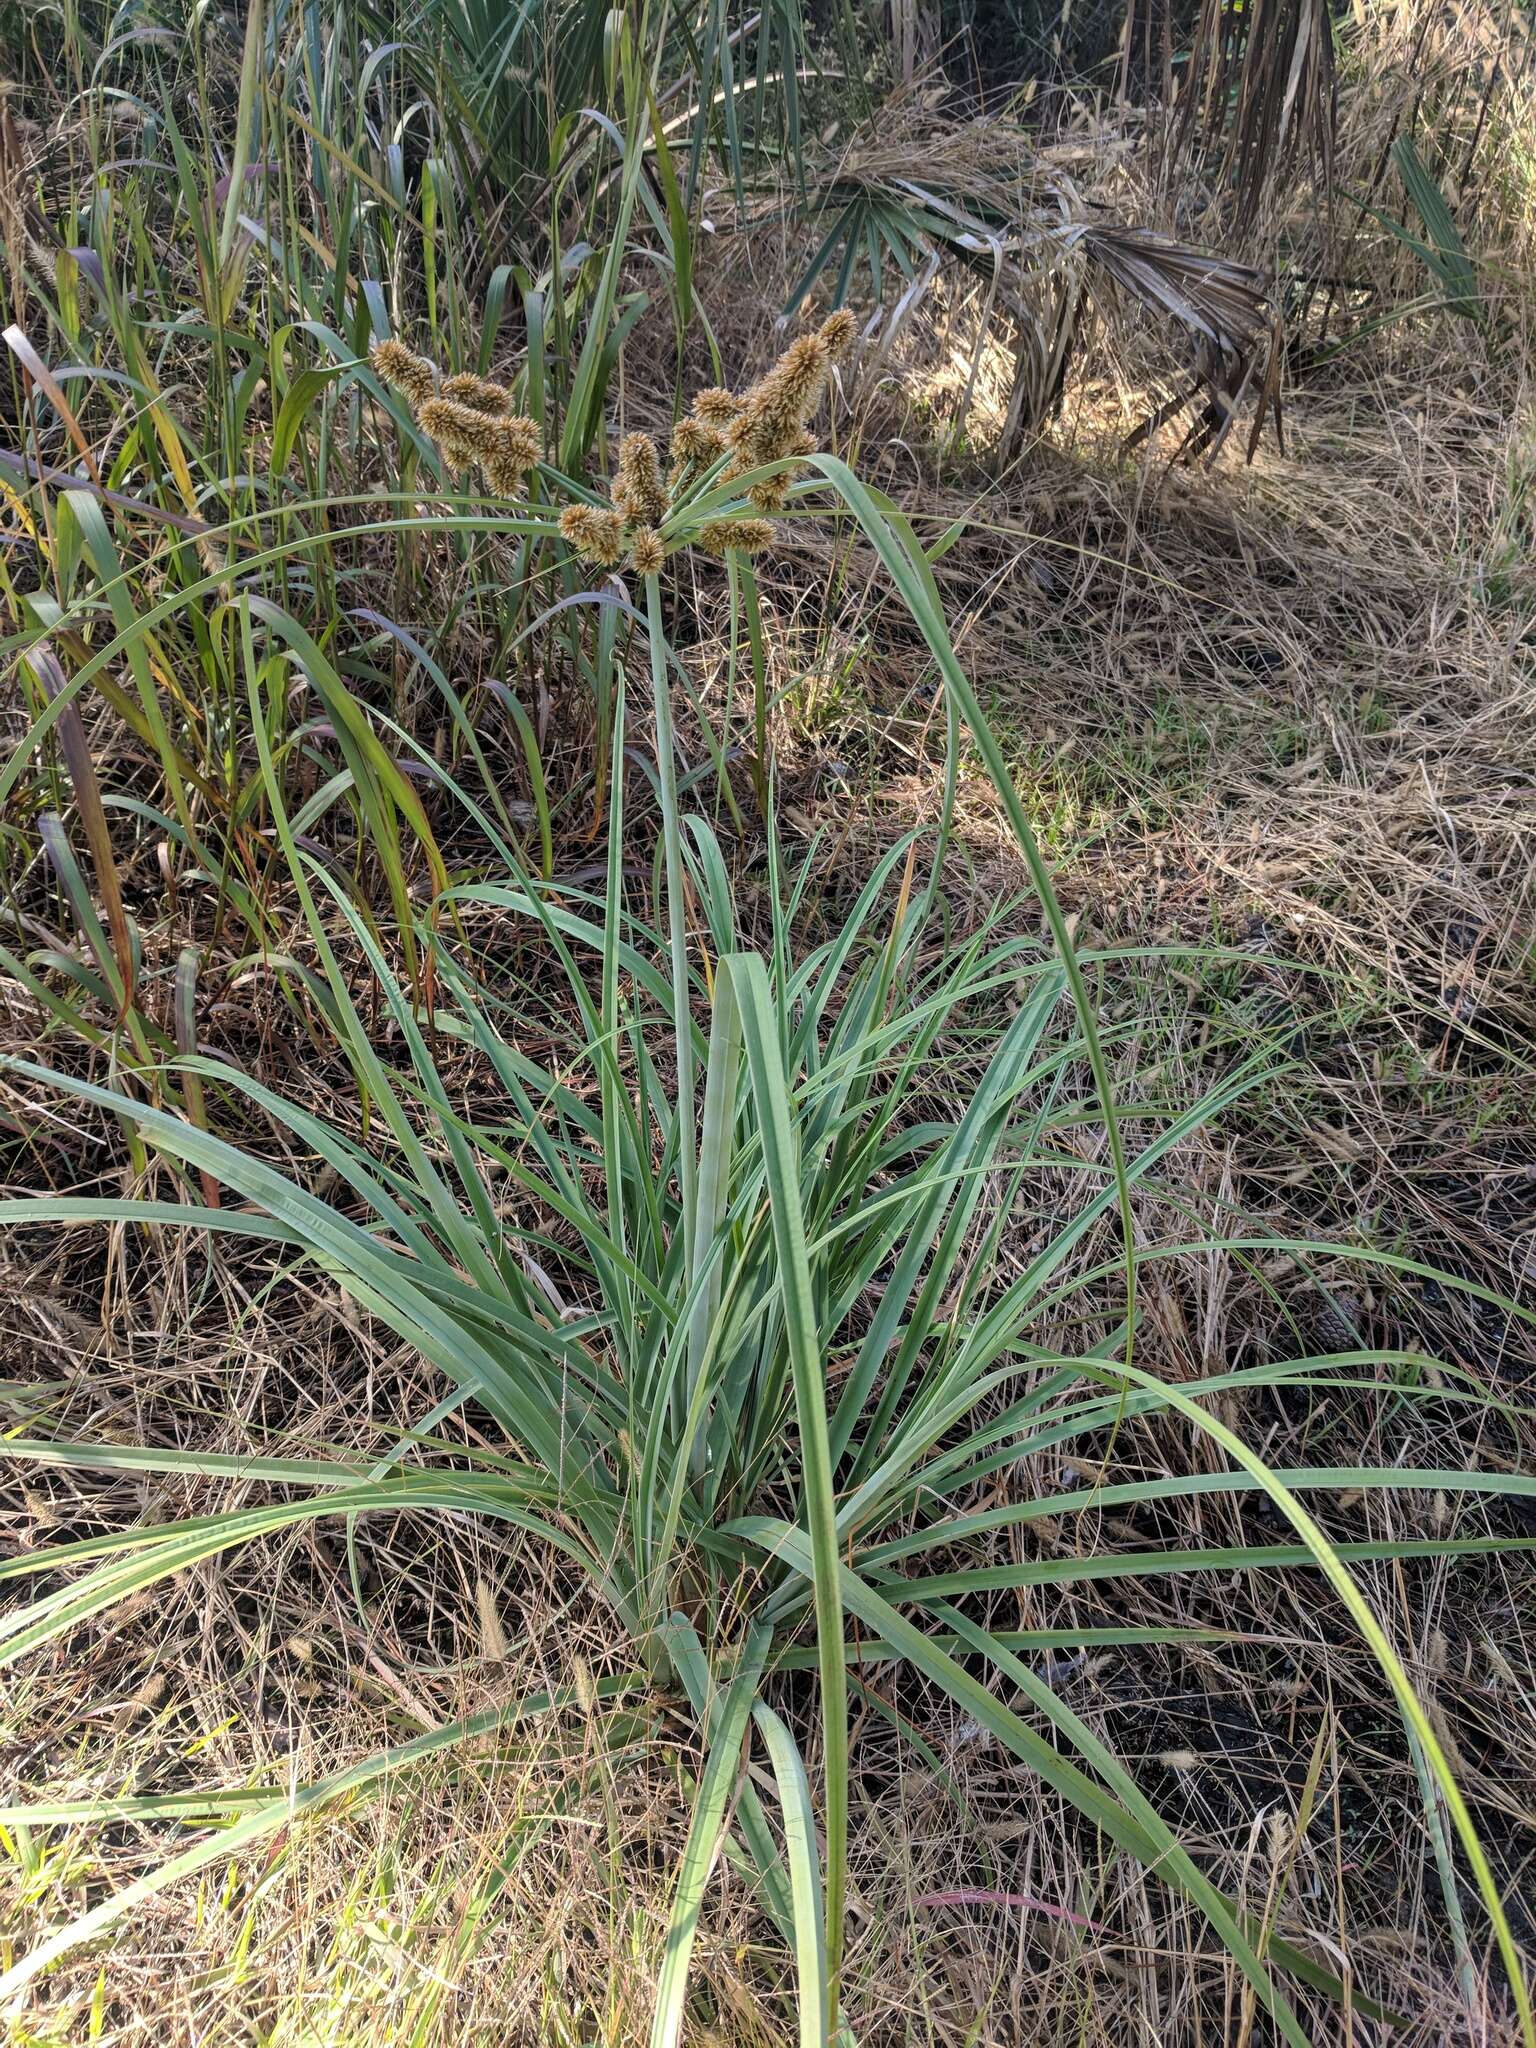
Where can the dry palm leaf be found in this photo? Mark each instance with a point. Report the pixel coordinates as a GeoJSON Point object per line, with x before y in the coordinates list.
{"type": "Point", "coordinates": [985, 197]}
{"type": "Point", "coordinates": [1259, 87]}
{"type": "Point", "coordinates": [1220, 306]}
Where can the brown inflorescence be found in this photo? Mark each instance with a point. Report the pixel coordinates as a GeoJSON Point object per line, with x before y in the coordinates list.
{"type": "Point", "coordinates": [779, 405]}
{"type": "Point", "coordinates": [469, 417]}
{"type": "Point", "coordinates": [771, 423]}
{"type": "Point", "coordinates": [715, 407]}
{"type": "Point", "coordinates": [646, 553]}
{"type": "Point", "coordinates": [694, 447]}
{"type": "Point", "coordinates": [837, 331]}
{"type": "Point", "coordinates": [461, 430]}
{"type": "Point", "coordinates": [745, 536]}
{"type": "Point", "coordinates": [638, 491]}
{"type": "Point", "coordinates": [518, 440]}
{"type": "Point", "coordinates": [478, 393]}
{"type": "Point", "coordinates": [596, 532]}
{"type": "Point", "coordinates": [507, 471]}
{"type": "Point", "coordinates": [443, 421]}
{"type": "Point", "coordinates": [412, 375]}
{"type": "Point", "coordinates": [506, 444]}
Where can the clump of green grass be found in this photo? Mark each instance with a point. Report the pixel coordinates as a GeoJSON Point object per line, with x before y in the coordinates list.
{"type": "Point", "coordinates": [747, 1355]}
{"type": "Point", "coordinates": [752, 1350]}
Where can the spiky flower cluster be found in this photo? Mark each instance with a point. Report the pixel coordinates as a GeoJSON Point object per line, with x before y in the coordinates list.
{"type": "Point", "coordinates": [724, 437]}
{"type": "Point", "coordinates": [769, 424]}
{"type": "Point", "coordinates": [747, 536]}
{"type": "Point", "coordinates": [410, 374]}
{"type": "Point", "coordinates": [716, 407]}
{"type": "Point", "coordinates": [640, 502]}
{"type": "Point", "coordinates": [725, 433]}
{"type": "Point", "coordinates": [646, 552]}
{"type": "Point", "coordinates": [638, 491]}
{"type": "Point", "coordinates": [469, 417]}
{"type": "Point", "coordinates": [596, 532]}
{"type": "Point", "coordinates": [478, 393]}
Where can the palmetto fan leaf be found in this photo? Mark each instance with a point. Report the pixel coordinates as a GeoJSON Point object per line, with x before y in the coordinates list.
{"type": "Point", "coordinates": [986, 198]}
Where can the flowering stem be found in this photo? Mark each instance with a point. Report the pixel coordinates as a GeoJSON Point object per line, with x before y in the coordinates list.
{"type": "Point", "coordinates": [677, 928]}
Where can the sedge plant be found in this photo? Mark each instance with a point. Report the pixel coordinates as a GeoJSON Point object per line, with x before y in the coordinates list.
{"type": "Point", "coordinates": [743, 1351]}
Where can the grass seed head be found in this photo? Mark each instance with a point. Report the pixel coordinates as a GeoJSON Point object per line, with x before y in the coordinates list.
{"type": "Point", "coordinates": [596, 532]}
{"type": "Point", "coordinates": [795, 383]}
{"type": "Point", "coordinates": [745, 536]}
{"type": "Point", "coordinates": [646, 553]}
{"type": "Point", "coordinates": [518, 440]}
{"type": "Point", "coordinates": [413, 375]}
{"type": "Point", "coordinates": [460, 427]}
{"type": "Point", "coordinates": [507, 473]}
{"type": "Point", "coordinates": [456, 453]}
{"type": "Point", "coordinates": [715, 407]}
{"type": "Point", "coordinates": [772, 420]}
{"type": "Point", "coordinates": [479, 393]}
{"type": "Point", "coordinates": [639, 492]}
{"type": "Point", "coordinates": [694, 447]}
{"type": "Point", "coordinates": [837, 332]}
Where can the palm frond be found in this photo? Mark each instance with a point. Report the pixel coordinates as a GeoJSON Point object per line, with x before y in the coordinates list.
{"type": "Point", "coordinates": [988, 198]}
{"type": "Point", "coordinates": [1259, 92]}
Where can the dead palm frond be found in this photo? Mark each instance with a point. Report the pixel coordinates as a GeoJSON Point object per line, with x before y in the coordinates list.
{"type": "Point", "coordinates": [1222, 309]}
{"type": "Point", "coordinates": [988, 198]}
{"type": "Point", "coordinates": [1258, 90]}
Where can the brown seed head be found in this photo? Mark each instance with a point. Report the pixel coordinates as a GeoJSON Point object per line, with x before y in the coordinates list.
{"type": "Point", "coordinates": [596, 532]}
{"type": "Point", "coordinates": [478, 393]}
{"type": "Point", "coordinates": [518, 440]}
{"type": "Point", "coordinates": [506, 476]}
{"type": "Point", "coordinates": [837, 332]}
{"type": "Point", "coordinates": [457, 454]}
{"type": "Point", "coordinates": [410, 374]}
{"type": "Point", "coordinates": [771, 495]}
{"type": "Point", "coordinates": [795, 382]}
{"type": "Point", "coordinates": [695, 445]}
{"type": "Point", "coordinates": [741, 434]}
{"type": "Point", "coordinates": [460, 427]}
{"type": "Point", "coordinates": [646, 553]}
{"type": "Point", "coordinates": [745, 536]}
{"type": "Point", "coordinates": [715, 407]}
{"type": "Point", "coordinates": [639, 492]}
{"type": "Point", "coordinates": [777, 407]}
